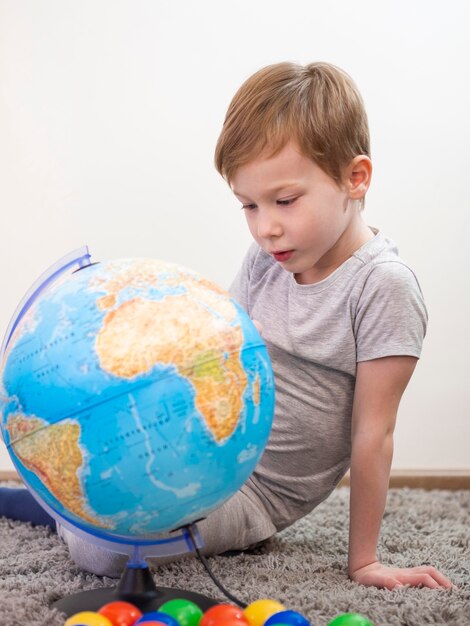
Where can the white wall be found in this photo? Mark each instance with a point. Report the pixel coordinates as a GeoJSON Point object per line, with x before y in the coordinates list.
{"type": "Point", "coordinates": [110, 109]}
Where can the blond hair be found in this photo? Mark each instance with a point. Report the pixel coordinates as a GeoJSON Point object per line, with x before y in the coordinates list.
{"type": "Point", "coordinates": [317, 105]}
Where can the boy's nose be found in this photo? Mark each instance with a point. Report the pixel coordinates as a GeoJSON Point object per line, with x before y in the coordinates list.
{"type": "Point", "coordinates": [268, 226]}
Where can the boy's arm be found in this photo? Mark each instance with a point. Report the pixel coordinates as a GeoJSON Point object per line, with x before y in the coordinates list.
{"type": "Point", "coordinates": [380, 384]}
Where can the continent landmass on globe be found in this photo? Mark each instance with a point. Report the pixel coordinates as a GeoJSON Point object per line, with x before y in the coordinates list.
{"type": "Point", "coordinates": [53, 454]}
{"type": "Point", "coordinates": [131, 341]}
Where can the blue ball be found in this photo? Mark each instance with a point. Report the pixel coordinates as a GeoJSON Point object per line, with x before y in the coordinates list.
{"type": "Point", "coordinates": [157, 616]}
{"type": "Point", "coordinates": [287, 618]}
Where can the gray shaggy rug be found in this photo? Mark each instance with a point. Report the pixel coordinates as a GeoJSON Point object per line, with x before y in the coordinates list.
{"type": "Point", "coordinates": [304, 567]}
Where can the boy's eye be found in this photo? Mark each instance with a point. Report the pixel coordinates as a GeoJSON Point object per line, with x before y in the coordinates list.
{"type": "Point", "coordinates": [249, 207]}
{"type": "Point", "coordinates": [286, 202]}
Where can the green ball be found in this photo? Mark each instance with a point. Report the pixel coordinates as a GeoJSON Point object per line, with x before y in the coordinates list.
{"type": "Point", "coordinates": [350, 619]}
{"type": "Point", "coordinates": [184, 611]}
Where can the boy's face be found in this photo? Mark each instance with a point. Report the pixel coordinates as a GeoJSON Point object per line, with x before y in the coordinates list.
{"type": "Point", "coordinates": [298, 214]}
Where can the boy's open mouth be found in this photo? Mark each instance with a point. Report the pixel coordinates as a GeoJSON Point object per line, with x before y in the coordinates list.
{"type": "Point", "coordinates": [283, 256]}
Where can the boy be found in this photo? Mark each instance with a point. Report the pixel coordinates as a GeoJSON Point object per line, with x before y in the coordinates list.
{"type": "Point", "coordinates": [342, 316]}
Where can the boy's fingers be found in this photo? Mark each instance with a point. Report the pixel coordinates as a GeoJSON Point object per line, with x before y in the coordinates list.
{"type": "Point", "coordinates": [393, 583]}
{"type": "Point", "coordinates": [442, 580]}
{"type": "Point", "coordinates": [422, 579]}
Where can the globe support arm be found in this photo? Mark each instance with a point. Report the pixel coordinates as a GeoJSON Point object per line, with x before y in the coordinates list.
{"type": "Point", "coordinates": [77, 259]}
{"type": "Point", "coordinates": [181, 541]}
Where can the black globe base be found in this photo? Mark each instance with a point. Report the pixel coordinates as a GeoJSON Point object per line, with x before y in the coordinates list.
{"type": "Point", "coordinates": [137, 587]}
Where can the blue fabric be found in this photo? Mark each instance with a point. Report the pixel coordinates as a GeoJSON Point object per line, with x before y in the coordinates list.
{"type": "Point", "coordinates": [19, 504]}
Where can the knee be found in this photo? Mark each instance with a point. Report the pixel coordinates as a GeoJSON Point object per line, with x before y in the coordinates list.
{"type": "Point", "coordinates": [98, 561]}
{"type": "Point", "coordinates": [92, 558]}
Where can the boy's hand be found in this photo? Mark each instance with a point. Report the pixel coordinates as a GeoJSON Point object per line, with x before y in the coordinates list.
{"type": "Point", "coordinates": [379, 575]}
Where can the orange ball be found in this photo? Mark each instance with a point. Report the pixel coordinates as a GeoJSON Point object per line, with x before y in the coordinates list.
{"type": "Point", "coordinates": [261, 610]}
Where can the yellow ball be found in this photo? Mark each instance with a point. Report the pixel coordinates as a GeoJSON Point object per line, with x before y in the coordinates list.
{"type": "Point", "coordinates": [88, 618]}
{"type": "Point", "coordinates": [261, 610]}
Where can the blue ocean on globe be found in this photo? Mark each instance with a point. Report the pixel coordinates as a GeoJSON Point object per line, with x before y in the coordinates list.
{"type": "Point", "coordinates": [136, 397]}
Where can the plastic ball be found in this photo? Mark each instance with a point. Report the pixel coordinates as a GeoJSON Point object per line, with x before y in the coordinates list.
{"type": "Point", "coordinates": [223, 613]}
{"type": "Point", "coordinates": [185, 612]}
{"type": "Point", "coordinates": [121, 613]}
{"type": "Point", "coordinates": [287, 618]}
{"type": "Point", "coordinates": [230, 621]}
{"type": "Point", "coordinates": [259, 611]}
{"type": "Point", "coordinates": [350, 619]}
{"type": "Point", "coordinates": [88, 618]}
{"type": "Point", "coordinates": [157, 617]}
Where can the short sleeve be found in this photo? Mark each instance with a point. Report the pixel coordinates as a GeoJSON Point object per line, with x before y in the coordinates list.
{"type": "Point", "coordinates": [391, 316]}
{"type": "Point", "coordinates": [239, 288]}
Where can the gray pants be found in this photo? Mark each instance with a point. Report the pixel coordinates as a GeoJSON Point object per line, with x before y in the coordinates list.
{"type": "Point", "coordinates": [240, 523]}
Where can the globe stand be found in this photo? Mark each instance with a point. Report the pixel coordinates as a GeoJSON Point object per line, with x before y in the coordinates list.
{"type": "Point", "coordinates": [135, 586]}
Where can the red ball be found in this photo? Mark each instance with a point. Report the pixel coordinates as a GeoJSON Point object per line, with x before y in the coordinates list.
{"type": "Point", "coordinates": [224, 613]}
{"type": "Point", "coordinates": [121, 613]}
{"type": "Point", "coordinates": [229, 621]}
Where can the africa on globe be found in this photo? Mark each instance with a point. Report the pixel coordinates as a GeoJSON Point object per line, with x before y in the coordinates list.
{"type": "Point", "coordinates": [136, 397]}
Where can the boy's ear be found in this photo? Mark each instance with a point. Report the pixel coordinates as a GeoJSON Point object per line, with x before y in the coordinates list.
{"type": "Point", "coordinates": [358, 176]}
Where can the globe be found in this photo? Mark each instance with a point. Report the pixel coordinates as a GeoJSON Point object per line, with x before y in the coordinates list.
{"type": "Point", "coordinates": [136, 397]}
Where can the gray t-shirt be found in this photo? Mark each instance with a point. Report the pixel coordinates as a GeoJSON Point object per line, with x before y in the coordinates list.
{"type": "Point", "coordinates": [370, 307]}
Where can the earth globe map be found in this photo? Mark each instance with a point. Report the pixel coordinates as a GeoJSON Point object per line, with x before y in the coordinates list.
{"type": "Point", "coordinates": [136, 397]}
